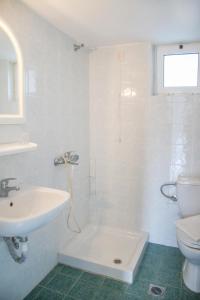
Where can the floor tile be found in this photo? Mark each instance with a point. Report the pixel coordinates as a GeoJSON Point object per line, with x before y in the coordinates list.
{"type": "Point", "coordinates": [114, 284]}
{"type": "Point", "coordinates": [157, 249]}
{"type": "Point", "coordinates": [61, 283]}
{"type": "Point", "coordinates": [46, 280]}
{"type": "Point", "coordinates": [161, 265]}
{"type": "Point", "coordinates": [33, 293]}
{"type": "Point", "coordinates": [138, 288]}
{"type": "Point", "coordinates": [108, 293]}
{"type": "Point", "coordinates": [189, 295]}
{"type": "Point", "coordinates": [141, 291]}
{"type": "Point", "coordinates": [72, 272]}
{"type": "Point", "coordinates": [172, 294]}
{"type": "Point", "coordinates": [53, 272]}
{"type": "Point", "coordinates": [146, 272]}
{"type": "Point", "coordinates": [46, 294]}
{"type": "Point", "coordinates": [174, 251]}
{"type": "Point", "coordinates": [136, 297]}
{"type": "Point", "coordinates": [58, 268]}
{"type": "Point", "coordinates": [171, 262]}
{"type": "Point", "coordinates": [152, 261]}
{"type": "Point", "coordinates": [83, 291]}
{"type": "Point", "coordinates": [92, 279]}
{"type": "Point", "coordinates": [169, 278]}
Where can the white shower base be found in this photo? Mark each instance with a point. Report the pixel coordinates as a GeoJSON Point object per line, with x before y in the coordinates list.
{"type": "Point", "coordinates": [95, 249]}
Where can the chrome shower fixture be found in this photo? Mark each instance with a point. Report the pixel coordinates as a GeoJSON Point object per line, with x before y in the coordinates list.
{"type": "Point", "coordinates": [70, 157]}
{"type": "Point", "coordinates": [59, 161]}
{"type": "Point", "coordinates": [78, 46]}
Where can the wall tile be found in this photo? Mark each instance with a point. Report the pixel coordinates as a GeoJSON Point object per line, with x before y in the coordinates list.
{"type": "Point", "coordinates": [57, 116]}
{"type": "Point", "coordinates": [138, 142]}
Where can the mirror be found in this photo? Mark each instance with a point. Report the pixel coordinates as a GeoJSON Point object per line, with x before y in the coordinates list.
{"type": "Point", "coordinates": [11, 78]}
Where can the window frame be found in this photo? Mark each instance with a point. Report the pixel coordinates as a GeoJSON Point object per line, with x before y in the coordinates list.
{"type": "Point", "coordinates": [174, 49]}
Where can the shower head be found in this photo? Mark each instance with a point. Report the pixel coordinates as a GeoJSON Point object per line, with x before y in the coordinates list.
{"type": "Point", "coordinates": [78, 46]}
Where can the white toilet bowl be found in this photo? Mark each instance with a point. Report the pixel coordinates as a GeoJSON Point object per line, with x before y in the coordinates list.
{"type": "Point", "coordinates": [191, 268]}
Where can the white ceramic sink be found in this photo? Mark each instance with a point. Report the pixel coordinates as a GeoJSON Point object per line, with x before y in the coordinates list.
{"type": "Point", "coordinates": [29, 209]}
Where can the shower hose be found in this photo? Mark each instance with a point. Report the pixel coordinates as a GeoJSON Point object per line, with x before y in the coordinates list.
{"type": "Point", "coordinates": [71, 215]}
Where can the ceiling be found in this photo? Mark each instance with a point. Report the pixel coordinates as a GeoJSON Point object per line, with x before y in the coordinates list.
{"type": "Point", "coordinates": [107, 22]}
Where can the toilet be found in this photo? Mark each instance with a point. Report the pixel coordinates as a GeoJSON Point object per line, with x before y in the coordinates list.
{"type": "Point", "coordinates": [188, 229]}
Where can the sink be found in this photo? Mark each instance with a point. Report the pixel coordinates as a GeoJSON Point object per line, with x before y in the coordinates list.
{"type": "Point", "coordinates": [29, 209]}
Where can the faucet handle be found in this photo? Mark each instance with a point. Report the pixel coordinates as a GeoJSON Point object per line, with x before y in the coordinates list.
{"type": "Point", "coordinates": [4, 182]}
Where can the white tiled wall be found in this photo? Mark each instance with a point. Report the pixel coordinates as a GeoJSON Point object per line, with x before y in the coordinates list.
{"type": "Point", "coordinates": [57, 119]}
{"type": "Point", "coordinates": [138, 142]}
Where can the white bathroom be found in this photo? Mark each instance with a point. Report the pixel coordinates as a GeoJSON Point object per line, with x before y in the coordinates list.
{"type": "Point", "coordinates": [99, 149]}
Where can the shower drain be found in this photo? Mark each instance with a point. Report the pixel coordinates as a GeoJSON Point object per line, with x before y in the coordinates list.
{"type": "Point", "coordinates": [156, 291]}
{"type": "Point", "coordinates": [117, 261]}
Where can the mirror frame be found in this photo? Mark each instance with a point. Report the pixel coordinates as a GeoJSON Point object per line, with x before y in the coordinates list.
{"type": "Point", "coordinates": [20, 116]}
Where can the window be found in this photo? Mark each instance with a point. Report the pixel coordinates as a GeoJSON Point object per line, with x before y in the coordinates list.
{"type": "Point", "coordinates": [178, 69]}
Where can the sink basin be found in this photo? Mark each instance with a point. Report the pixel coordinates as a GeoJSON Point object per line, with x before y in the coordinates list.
{"type": "Point", "coordinates": [29, 209]}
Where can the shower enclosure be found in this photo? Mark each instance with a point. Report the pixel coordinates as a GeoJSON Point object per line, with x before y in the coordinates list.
{"type": "Point", "coordinates": [113, 242]}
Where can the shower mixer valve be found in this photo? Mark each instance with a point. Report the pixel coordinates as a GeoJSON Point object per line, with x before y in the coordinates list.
{"type": "Point", "coordinates": [70, 157]}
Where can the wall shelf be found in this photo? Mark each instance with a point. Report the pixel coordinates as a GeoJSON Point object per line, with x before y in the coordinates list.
{"type": "Point", "coordinates": [14, 148]}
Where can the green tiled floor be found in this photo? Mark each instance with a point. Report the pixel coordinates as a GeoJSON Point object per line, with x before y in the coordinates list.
{"type": "Point", "coordinates": [161, 265]}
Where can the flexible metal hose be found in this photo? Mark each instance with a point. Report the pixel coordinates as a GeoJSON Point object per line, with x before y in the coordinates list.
{"type": "Point", "coordinates": [71, 208]}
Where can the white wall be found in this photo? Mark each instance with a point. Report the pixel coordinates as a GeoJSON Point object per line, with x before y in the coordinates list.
{"type": "Point", "coordinates": [8, 101]}
{"type": "Point", "coordinates": [137, 142]}
{"type": "Point", "coordinates": [57, 119]}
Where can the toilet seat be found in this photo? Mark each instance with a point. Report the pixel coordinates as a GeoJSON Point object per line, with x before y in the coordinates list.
{"type": "Point", "coordinates": [188, 231]}
{"type": "Point", "coordinates": [186, 240]}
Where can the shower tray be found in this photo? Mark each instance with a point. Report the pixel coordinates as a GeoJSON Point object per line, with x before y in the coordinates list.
{"type": "Point", "coordinates": [106, 251]}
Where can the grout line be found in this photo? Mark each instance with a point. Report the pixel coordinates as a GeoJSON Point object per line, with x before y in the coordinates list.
{"type": "Point", "coordinates": [92, 285]}
{"type": "Point", "coordinates": [48, 289]}
{"type": "Point", "coordinates": [52, 290]}
{"type": "Point", "coordinates": [40, 284]}
{"type": "Point", "coordinates": [75, 282]}
{"type": "Point", "coordinates": [99, 287]}
{"type": "Point", "coordinates": [35, 295]}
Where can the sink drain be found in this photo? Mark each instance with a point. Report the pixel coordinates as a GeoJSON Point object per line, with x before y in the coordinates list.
{"type": "Point", "coordinates": [156, 291]}
{"type": "Point", "coordinates": [117, 261]}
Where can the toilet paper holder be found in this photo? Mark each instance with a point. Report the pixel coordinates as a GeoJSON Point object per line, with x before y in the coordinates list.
{"type": "Point", "coordinates": [171, 197]}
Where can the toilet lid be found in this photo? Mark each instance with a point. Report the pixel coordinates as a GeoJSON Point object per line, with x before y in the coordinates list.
{"type": "Point", "coordinates": [190, 227]}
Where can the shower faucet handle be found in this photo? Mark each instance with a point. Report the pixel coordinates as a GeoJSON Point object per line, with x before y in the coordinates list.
{"type": "Point", "coordinates": [71, 157]}
{"type": "Point", "coordinates": [73, 163]}
{"type": "Point", "coordinates": [59, 161]}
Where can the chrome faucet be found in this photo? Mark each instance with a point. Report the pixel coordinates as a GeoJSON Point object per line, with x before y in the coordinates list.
{"type": "Point", "coordinates": [69, 157]}
{"type": "Point", "coordinates": [5, 189]}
